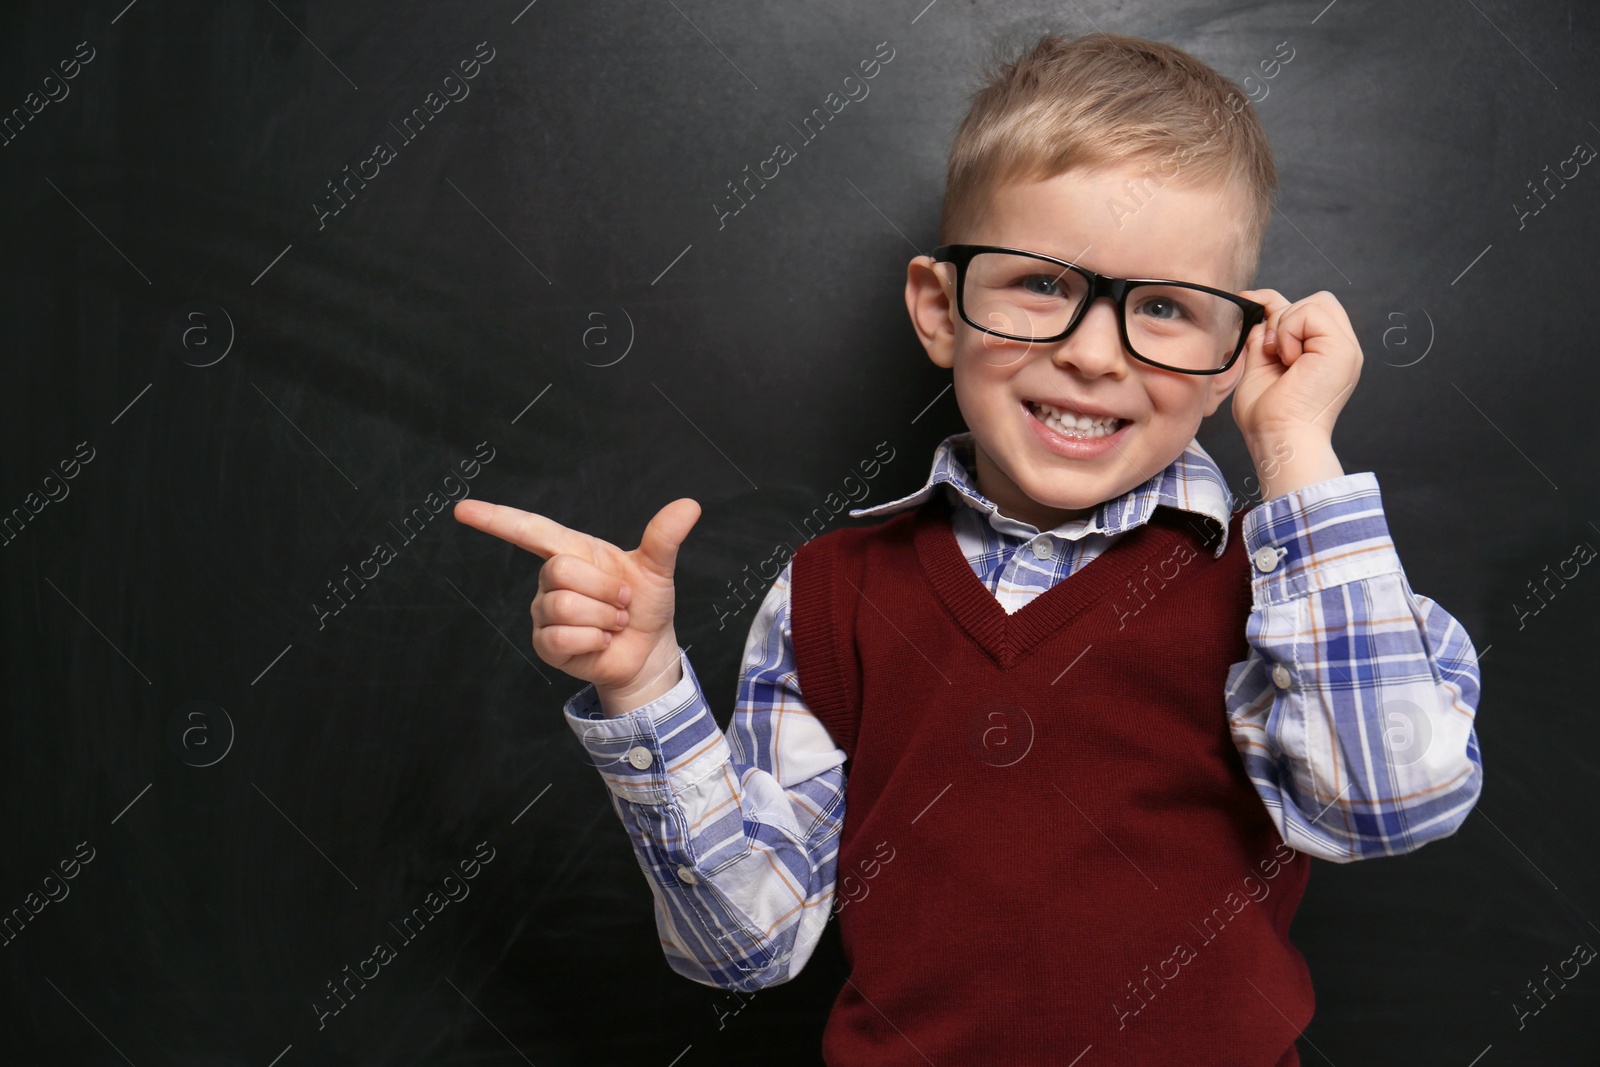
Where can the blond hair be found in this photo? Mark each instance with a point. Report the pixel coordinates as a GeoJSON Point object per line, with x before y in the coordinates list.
{"type": "Point", "coordinates": [1111, 99]}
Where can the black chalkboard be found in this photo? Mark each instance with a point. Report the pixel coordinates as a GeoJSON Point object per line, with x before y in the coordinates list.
{"type": "Point", "coordinates": [282, 279]}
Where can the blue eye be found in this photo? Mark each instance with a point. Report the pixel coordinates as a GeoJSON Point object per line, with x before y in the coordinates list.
{"type": "Point", "coordinates": [1169, 308]}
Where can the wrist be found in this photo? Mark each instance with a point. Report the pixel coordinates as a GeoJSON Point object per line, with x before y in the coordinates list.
{"type": "Point", "coordinates": [1291, 457]}
{"type": "Point", "coordinates": [662, 670]}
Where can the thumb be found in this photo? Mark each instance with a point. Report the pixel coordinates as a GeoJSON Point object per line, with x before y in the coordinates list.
{"type": "Point", "coordinates": [658, 547]}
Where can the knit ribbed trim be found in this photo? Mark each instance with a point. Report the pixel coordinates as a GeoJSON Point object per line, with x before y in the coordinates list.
{"type": "Point", "coordinates": [1007, 638]}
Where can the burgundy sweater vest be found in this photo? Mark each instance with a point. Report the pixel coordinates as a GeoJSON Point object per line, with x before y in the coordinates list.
{"type": "Point", "coordinates": [1050, 843]}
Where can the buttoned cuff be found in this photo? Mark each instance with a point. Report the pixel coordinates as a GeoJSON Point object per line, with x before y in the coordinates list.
{"type": "Point", "coordinates": [656, 750]}
{"type": "Point", "coordinates": [1323, 535]}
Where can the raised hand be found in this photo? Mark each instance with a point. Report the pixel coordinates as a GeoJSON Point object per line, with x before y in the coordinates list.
{"type": "Point", "coordinates": [602, 614]}
{"type": "Point", "coordinates": [1300, 366]}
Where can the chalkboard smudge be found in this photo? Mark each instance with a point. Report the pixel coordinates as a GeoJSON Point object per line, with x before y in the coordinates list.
{"type": "Point", "coordinates": [384, 553]}
{"type": "Point", "coordinates": [784, 153]}
{"type": "Point", "coordinates": [384, 153]}
{"type": "Point", "coordinates": [418, 918]}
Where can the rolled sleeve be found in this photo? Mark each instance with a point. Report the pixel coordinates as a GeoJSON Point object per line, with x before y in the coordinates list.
{"type": "Point", "coordinates": [657, 750]}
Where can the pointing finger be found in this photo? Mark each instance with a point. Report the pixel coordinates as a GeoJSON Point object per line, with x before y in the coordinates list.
{"type": "Point", "coordinates": [535, 533]}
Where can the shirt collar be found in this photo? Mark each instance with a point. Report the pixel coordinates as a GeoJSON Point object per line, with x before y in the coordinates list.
{"type": "Point", "coordinates": [1193, 482]}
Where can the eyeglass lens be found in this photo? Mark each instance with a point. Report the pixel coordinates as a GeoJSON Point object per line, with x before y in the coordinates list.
{"type": "Point", "coordinates": [1032, 299]}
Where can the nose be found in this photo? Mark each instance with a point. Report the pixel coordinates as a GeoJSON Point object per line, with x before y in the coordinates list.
{"type": "Point", "coordinates": [1094, 346]}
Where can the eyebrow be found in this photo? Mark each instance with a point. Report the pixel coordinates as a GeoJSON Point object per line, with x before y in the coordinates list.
{"type": "Point", "coordinates": [1085, 266]}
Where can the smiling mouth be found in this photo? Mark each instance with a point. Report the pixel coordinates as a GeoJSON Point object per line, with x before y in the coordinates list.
{"type": "Point", "coordinates": [1071, 424]}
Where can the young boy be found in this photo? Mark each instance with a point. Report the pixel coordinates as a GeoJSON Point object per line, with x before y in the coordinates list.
{"type": "Point", "coordinates": [1091, 715]}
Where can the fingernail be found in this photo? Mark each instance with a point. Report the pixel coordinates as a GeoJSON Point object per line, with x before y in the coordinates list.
{"type": "Point", "coordinates": [608, 637]}
{"type": "Point", "coordinates": [622, 617]}
{"type": "Point", "coordinates": [624, 595]}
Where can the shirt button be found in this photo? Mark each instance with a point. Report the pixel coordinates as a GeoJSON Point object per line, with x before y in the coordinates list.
{"type": "Point", "coordinates": [1042, 549]}
{"type": "Point", "coordinates": [640, 757]}
{"type": "Point", "coordinates": [1280, 676]}
{"type": "Point", "coordinates": [1266, 559]}
{"type": "Point", "coordinates": [688, 875]}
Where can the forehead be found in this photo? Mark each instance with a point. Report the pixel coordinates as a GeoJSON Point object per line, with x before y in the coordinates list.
{"type": "Point", "coordinates": [1121, 220]}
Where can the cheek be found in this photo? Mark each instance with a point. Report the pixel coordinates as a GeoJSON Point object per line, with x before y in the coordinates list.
{"type": "Point", "coordinates": [1176, 410]}
{"type": "Point", "coordinates": [981, 387]}
{"type": "Point", "coordinates": [1178, 400]}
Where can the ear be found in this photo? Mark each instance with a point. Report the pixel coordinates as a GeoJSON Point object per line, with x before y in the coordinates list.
{"type": "Point", "coordinates": [1223, 385]}
{"type": "Point", "coordinates": [930, 301]}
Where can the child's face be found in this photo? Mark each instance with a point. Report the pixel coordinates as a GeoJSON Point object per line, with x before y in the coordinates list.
{"type": "Point", "coordinates": [1179, 234]}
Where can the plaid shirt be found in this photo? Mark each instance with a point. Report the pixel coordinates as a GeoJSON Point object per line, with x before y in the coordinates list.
{"type": "Point", "coordinates": [1371, 750]}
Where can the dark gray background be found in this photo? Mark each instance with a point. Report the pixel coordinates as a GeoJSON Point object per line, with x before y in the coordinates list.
{"type": "Point", "coordinates": [371, 356]}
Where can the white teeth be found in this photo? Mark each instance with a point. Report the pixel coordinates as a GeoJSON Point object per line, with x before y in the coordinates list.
{"type": "Point", "coordinates": [1074, 425]}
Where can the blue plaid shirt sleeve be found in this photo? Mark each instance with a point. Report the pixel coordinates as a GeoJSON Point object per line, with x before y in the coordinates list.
{"type": "Point", "coordinates": [736, 833]}
{"type": "Point", "coordinates": [1354, 711]}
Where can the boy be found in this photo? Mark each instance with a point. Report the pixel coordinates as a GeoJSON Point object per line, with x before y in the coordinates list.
{"type": "Point", "coordinates": [1058, 841]}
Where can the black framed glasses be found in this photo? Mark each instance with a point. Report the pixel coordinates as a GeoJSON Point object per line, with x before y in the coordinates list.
{"type": "Point", "coordinates": [1027, 296]}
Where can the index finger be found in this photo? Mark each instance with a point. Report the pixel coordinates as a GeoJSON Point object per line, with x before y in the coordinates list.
{"type": "Point", "coordinates": [535, 533]}
{"type": "Point", "coordinates": [1271, 298]}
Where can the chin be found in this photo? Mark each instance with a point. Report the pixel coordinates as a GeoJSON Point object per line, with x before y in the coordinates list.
{"type": "Point", "coordinates": [1065, 501]}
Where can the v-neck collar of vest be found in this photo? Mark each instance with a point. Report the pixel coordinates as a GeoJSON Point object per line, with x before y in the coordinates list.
{"type": "Point", "coordinates": [1008, 638]}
